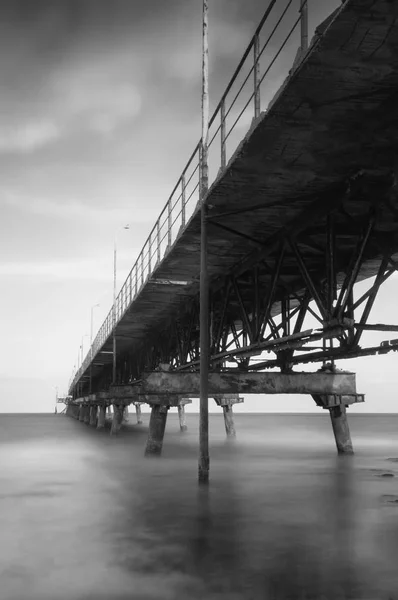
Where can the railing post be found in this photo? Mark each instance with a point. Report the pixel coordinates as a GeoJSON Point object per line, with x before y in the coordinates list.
{"type": "Point", "coordinates": [256, 51]}
{"type": "Point", "coordinates": [183, 200]}
{"type": "Point", "coordinates": [158, 240]}
{"type": "Point", "coordinates": [169, 223]}
{"type": "Point", "coordinates": [131, 287]}
{"type": "Point", "coordinates": [200, 172]}
{"type": "Point", "coordinates": [149, 253]}
{"type": "Point", "coordinates": [142, 268]}
{"type": "Point", "coordinates": [223, 133]}
{"type": "Point", "coordinates": [136, 278]}
{"type": "Point", "coordinates": [304, 25]}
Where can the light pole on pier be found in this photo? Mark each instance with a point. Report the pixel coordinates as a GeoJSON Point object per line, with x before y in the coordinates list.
{"type": "Point", "coordinates": [91, 344]}
{"type": "Point", "coordinates": [81, 350]}
{"type": "Point", "coordinates": [204, 460]}
{"type": "Point", "coordinates": [114, 309]}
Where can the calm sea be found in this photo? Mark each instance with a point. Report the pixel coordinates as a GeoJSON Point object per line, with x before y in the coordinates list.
{"type": "Point", "coordinates": [84, 515]}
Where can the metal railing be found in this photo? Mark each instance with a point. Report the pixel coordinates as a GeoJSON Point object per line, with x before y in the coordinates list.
{"type": "Point", "coordinates": [232, 118]}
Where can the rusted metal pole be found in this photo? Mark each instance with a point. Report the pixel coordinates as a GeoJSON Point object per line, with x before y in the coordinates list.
{"type": "Point", "coordinates": [223, 136]}
{"type": "Point", "coordinates": [256, 52]}
{"type": "Point", "coordinates": [204, 461]}
{"type": "Point", "coordinates": [169, 223]}
{"type": "Point", "coordinates": [158, 240]}
{"type": "Point", "coordinates": [304, 25]}
{"type": "Point", "coordinates": [183, 199]}
{"type": "Point", "coordinates": [114, 317]}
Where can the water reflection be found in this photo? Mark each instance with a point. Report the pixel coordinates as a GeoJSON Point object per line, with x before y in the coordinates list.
{"type": "Point", "coordinates": [86, 516]}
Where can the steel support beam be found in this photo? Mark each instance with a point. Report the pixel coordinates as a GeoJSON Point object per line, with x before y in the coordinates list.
{"type": "Point", "coordinates": [159, 382]}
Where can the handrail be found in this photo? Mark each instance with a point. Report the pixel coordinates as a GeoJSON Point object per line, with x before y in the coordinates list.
{"type": "Point", "coordinates": [169, 225]}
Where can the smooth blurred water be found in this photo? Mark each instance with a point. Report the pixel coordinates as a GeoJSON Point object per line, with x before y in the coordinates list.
{"type": "Point", "coordinates": [84, 515]}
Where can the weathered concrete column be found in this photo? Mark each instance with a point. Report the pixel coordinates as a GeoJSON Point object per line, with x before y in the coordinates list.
{"type": "Point", "coordinates": [181, 412]}
{"type": "Point", "coordinates": [93, 415]}
{"type": "Point", "coordinates": [117, 418]}
{"type": "Point", "coordinates": [157, 425]}
{"type": "Point", "coordinates": [87, 414]}
{"type": "Point", "coordinates": [109, 412]}
{"type": "Point", "coordinates": [81, 413]}
{"type": "Point", "coordinates": [337, 404]}
{"type": "Point", "coordinates": [126, 414]}
{"type": "Point", "coordinates": [101, 417]}
{"type": "Point", "coordinates": [227, 401]}
{"type": "Point", "coordinates": [229, 420]}
{"type": "Point", "coordinates": [181, 417]}
{"type": "Point", "coordinates": [138, 412]}
{"type": "Point", "coordinates": [342, 435]}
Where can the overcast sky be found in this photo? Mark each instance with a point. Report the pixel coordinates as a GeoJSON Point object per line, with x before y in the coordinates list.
{"type": "Point", "coordinates": [99, 112]}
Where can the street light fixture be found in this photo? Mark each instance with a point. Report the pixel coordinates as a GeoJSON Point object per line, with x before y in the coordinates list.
{"type": "Point", "coordinates": [91, 345]}
{"type": "Point", "coordinates": [114, 309]}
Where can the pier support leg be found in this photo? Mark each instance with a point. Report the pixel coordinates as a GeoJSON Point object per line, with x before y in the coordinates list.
{"type": "Point", "coordinates": [87, 414]}
{"type": "Point", "coordinates": [126, 414]}
{"type": "Point", "coordinates": [93, 415]}
{"type": "Point", "coordinates": [229, 420]}
{"type": "Point", "coordinates": [227, 401]}
{"type": "Point", "coordinates": [117, 418]}
{"type": "Point", "coordinates": [138, 412]}
{"type": "Point", "coordinates": [157, 425]}
{"type": "Point", "coordinates": [338, 416]}
{"type": "Point", "coordinates": [101, 417]}
{"type": "Point", "coordinates": [81, 412]}
{"type": "Point", "coordinates": [181, 417]}
{"type": "Point", "coordinates": [181, 412]}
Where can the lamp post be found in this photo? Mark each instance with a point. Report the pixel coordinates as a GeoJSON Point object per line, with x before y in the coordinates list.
{"type": "Point", "coordinates": [81, 349]}
{"type": "Point", "coordinates": [114, 310]}
{"type": "Point", "coordinates": [91, 345]}
{"type": "Point", "coordinates": [204, 460]}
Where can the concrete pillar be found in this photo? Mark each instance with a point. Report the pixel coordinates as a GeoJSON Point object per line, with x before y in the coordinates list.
{"type": "Point", "coordinates": [181, 417]}
{"type": "Point", "coordinates": [81, 413]}
{"type": "Point", "coordinates": [138, 412]}
{"type": "Point", "coordinates": [109, 412]}
{"type": "Point", "coordinates": [229, 420]}
{"type": "Point", "coordinates": [87, 414]}
{"type": "Point", "coordinates": [157, 425]}
{"type": "Point", "coordinates": [117, 418]}
{"type": "Point", "coordinates": [126, 414]}
{"type": "Point", "coordinates": [101, 417]}
{"type": "Point", "coordinates": [338, 416]}
{"type": "Point", "coordinates": [227, 401]}
{"type": "Point", "coordinates": [93, 415]}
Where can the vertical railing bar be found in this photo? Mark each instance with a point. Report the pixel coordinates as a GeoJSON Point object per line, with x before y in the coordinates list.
{"type": "Point", "coordinates": [256, 52]}
{"type": "Point", "coordinates": [158, 240]}
{"type": "Point", "coordinates": [304, 26]}
{"type": "Point", "coordinates": [149, 254]}
{"type": "Point", "coordinates": [183, 200]}
{"type": "Point", "coordinates": [223, 132]}
{"type": "Point", "coordinates": [142, 268]}
{"type": "Point", "coordinates": [169, 223]}
{"type": "Point", "coordinates": [136, 279]}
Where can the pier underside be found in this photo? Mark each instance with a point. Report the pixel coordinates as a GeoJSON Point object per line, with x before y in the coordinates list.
{"type": "Point", "coordinates": [306, 208]}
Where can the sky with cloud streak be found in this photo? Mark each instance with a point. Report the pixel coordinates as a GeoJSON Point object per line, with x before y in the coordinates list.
{"type": "Point", "coordinates": [99, 111]}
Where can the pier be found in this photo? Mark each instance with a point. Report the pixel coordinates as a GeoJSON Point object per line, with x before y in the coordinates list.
{"type": "Point", "coordinates": [300, 210]}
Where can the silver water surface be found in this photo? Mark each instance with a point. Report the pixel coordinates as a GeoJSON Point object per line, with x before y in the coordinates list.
{"type": "Point", "coordinates": [84, 515]}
